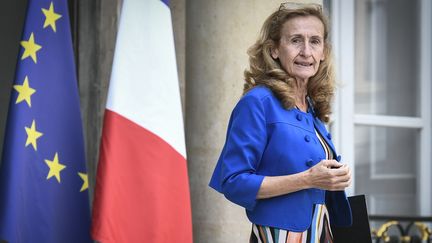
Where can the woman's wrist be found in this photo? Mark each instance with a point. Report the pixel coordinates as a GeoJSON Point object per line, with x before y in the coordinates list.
{"type": "Point", "coordinates": [306, 179]}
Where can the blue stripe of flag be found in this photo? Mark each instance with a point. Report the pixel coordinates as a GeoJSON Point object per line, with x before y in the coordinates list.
{"type": "Point", "coordinates": [166, 2]}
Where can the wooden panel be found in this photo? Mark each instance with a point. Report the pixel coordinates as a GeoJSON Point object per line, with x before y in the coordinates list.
{"type": "Point", "coordinates": [97, 28]}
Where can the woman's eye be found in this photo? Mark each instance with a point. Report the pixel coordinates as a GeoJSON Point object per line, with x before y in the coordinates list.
{"type": "Point", "coordinates": [316, 42]}
{"type": "Point", "coordinates": [296, 40]}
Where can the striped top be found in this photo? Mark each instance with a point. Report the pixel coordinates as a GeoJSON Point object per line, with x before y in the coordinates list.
{"type": "Point", "coordinates": [319, 231]}
{"type": "Point", "coordinates": [326, 147]}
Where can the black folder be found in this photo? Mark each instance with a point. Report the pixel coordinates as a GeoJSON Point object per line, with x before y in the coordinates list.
{"type": "Point", "coordinates": [359, 232]}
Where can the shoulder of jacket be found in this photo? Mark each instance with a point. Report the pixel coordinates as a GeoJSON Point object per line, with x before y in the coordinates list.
{"type": "Point", "coordinates": [258, 92]}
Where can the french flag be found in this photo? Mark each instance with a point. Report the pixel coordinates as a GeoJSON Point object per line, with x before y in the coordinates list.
{"type": "Point", "coordinates": [142, 189]}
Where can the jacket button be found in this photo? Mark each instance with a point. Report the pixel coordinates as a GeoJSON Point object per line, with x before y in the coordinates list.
{"type": "Point", "coordinates": [309, 162]}
{"type": "Point", "coordinates": [299, 117]}
{"type": "Point", "coordinates": [307, 138]}
{"type": "Point", "coordinates": [329, 136]}
{"type": "Point", "coordinates": [338, 158]}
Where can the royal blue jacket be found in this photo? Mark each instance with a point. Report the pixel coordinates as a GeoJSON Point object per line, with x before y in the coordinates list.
{"type": "Point", "coordinates": [265, 139]}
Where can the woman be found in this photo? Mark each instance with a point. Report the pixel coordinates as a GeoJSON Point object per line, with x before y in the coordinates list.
{"type": "Point", "coordinates": [278, 160]}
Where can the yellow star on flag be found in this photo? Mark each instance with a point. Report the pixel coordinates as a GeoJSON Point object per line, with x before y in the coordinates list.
{"type": "Point", "coordinates": [30, 48]}
{"type": "Point", "coordinates": [24, 92]}
{"type": "Point", "coordinates": [84, 177]}
{"type": "Point", "coordinates": [50, 17]}
{"type": "Point", "coordinates": [55, 167]}
{"type": "Point", "coordinates": [32, 135]}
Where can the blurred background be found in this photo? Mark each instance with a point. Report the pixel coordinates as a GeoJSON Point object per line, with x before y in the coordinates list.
{"type": "Point", "coordinates": [381, 122]}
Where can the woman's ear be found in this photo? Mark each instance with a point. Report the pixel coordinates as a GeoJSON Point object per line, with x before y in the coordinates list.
{"type": "Point", "coordinates": [274, 53]}
{"type": "Point", "coordinates": [323, 55]}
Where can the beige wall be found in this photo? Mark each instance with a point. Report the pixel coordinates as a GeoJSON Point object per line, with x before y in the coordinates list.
{"type": "Point", "coordinates": [218, 34]}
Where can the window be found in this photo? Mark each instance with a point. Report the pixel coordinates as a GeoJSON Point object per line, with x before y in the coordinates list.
{"type": "Point", "coordinates": [382, 118]}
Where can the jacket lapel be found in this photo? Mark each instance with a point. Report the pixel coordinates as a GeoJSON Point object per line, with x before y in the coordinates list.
{"type": "Point", "coordinates": [325, 134]}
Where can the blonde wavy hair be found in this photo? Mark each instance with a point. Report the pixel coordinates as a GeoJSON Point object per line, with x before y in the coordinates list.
{"type": "Point", "coordinates": [264, 70]}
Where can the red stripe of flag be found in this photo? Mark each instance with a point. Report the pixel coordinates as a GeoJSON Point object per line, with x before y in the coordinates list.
{"type": "Point", "coordinates": [142, 191]}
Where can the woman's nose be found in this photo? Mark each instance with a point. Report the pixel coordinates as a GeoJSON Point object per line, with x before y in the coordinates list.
{"type": "Point", "coordinates": [305, 50]}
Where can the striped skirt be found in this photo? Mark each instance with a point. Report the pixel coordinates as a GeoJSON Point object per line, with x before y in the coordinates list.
{"type": "Point", "coordinates": [319, 232]}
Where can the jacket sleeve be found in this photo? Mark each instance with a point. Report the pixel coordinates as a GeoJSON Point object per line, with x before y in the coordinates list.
{"type": "Point", "coordinates": [235, 173]}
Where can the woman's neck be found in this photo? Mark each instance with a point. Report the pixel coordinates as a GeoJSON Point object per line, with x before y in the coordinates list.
{"type": "Point", "coordinates": [301, 93]}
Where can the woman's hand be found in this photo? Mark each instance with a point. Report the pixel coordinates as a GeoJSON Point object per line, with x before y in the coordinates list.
{"type": "Point", "coordinates": [329, 175]}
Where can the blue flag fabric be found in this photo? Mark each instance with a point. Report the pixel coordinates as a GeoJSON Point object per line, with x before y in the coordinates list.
{"type": "Point", "coordinates": [43, 178]}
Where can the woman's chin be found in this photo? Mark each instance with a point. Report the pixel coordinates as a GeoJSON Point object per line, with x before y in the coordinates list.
{"type": "Point", "coordinates": [303, 76]}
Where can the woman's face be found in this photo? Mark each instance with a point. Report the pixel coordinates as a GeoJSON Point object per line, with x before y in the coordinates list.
{"type": "Point", "coordinates": [301, 47]}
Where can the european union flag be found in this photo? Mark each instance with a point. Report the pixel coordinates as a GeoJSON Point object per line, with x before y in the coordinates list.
{"type": "Point", "coordinates": [43, 178]}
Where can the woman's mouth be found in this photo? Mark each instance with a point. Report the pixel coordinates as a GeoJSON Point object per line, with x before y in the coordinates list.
{"type": "Point", "coordinates": [303, 64]}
